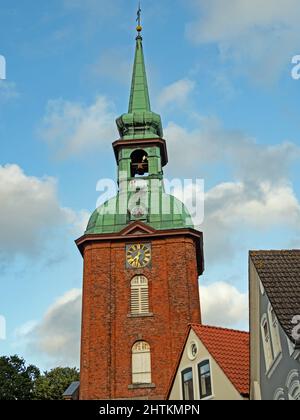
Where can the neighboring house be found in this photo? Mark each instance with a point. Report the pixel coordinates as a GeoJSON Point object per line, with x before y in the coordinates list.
{"type": "Point", "coordinates": [274, 314]}
{"type": "Point", "coordinates": [72, 393]}
{"type": "Point", "coordinates": [213, 365]}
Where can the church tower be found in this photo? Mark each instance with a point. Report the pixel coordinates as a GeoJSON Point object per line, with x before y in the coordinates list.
{"type": "Point", "coordinates": [142, 260]}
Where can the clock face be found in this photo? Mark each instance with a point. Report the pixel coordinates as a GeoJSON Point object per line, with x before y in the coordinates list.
{"type": "Point", "coordinates": [138, 212]}
{"type": "Point", "coordinates": [138, 255]}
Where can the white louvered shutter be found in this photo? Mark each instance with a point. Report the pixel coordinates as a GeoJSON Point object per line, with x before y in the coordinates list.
{"type": "Point", "coordinates": [139, 296]}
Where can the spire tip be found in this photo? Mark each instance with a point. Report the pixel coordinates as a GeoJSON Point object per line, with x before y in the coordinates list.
{"type": "Point", "coordinates": [139, 27]}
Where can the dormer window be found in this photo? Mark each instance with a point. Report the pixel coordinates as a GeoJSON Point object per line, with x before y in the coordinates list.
{"type": "Point", "coordinates": [139, 163]}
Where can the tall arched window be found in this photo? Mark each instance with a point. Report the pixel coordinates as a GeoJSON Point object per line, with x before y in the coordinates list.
{"type": "Point", "coordinates": [266, 339]}
{"type": "Point", "coordinates": [139, 295]}
{"type": "Point", "coordinates": [275, 334]}
{"type": "Point", "coordinates": [141, 363]}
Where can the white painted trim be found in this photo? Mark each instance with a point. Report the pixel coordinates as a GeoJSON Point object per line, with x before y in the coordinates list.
{"type": "Point", "coordinates": [262, 289]}
{"type": "Point", "coordinates": [292, 349]}
{"type": "Point", "coordinates": [274, 331]}
{"type": "Point", "coordinates": [293, 384]}
{"type": "Point", "coordinates": [267, 345]}
{"type": "Point", "coordinates": [196, 378]}
{"type": "Point", "coordinates": [256, 349]}
{"type": "Point", "coordinates": [212, 396]}
{"type": "Point", "coordinates": [279, 393]}
{"type": "Point", "coordinates": [181, 382]}
{"type": "Point", "coordinates": [189, 353]}
{"type": "Point", "coordinates": [257, 391]}
{"type": "Point", "coordinates": [292, 376]}
{"type": "Point", "coordinates": [274, 366]}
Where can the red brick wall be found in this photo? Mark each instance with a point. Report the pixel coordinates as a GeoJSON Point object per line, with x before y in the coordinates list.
{"type": "Point", "coordinates": [108, 332]}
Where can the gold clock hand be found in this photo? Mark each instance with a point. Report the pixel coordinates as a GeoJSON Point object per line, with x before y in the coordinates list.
{"type": "Point", "coordinates": [136, 258]}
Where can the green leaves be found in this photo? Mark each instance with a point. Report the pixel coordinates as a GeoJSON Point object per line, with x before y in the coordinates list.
{"type": "Point", "coordinates": [53, 384]}
{"type": "Point", "coordinates": [16, 379]}
{"type": "Point", "coordinates": [21, 382]}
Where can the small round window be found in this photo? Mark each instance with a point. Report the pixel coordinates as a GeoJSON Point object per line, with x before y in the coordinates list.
{"type": "Point", "coordinates": [193, 351]}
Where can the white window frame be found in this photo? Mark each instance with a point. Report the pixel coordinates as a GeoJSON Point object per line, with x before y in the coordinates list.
{"type": "Point", "coordinates": [274, 331]}
{"type": "Point", "coordinates": [267, 343]}
{"type": "Point", "coordinates": [181, 381]}
{"type": "Point", "coordinates": [145, 375]}
{"type": "Point", "coordinates": [139, 296]}
{"type": "Point", "coordinates": [212, 396]}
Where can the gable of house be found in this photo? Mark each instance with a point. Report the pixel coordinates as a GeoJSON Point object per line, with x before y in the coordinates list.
{"type": "Point", "coordinates": [227, 352]}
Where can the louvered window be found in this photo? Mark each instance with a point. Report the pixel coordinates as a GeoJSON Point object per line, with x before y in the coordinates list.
{"type": "Point", "coordinates": [139, 295]}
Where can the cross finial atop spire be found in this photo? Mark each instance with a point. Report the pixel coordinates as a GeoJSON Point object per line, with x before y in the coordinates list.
{"type": "Point", "coordinates": [138, 19]}
{"type": "Point", "coordinates": [140, 122]}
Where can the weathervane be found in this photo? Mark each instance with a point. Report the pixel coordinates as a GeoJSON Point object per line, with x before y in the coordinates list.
{"type": "Point", "coordinates": [138, 19]}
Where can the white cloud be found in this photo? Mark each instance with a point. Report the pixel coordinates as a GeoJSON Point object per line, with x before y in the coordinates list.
{"type": "Point", "coordinates": [77, 220]}
{"type": "Point", "coordinates": [176, 94]}
{"type": "Point", "coordinates": [260, 37]}
{"type": "Point", "coordinates": [211, 143]}
{"type": "Point", "coordinates": [29, 210]}
{"type": "Point", "coordinates": [22, 331]}
{"type": "Point", "coordinates": [263, 208]}
{"type": "Point", "coordinates": [233, 208]}
{"type": "Point", "coordinates": [259, 199]}
{"type": "Point", "coordinates": [224, 306]}
{"type": "Point", "coordinates": [28, 205]}
{"type": "Point", "coordinates": [75, 128]}
{"type": "Point", "coordinates": [57, 336]}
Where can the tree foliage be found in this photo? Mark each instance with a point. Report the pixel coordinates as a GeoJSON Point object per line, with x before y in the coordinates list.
{"type": "Point", "coordinates": [53, 384]}
{"type": "Point", "coordinates": [17, 381]}
{"type": "Point", "coordinates": [21, 382]}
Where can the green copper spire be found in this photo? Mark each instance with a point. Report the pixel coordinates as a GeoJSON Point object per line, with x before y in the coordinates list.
{"type": "Point", "coordinates": [140, 122]}
{"type": "Point", "coordinates": [139, 96]}
{"type": "Point", "coordinates": [141, 155]}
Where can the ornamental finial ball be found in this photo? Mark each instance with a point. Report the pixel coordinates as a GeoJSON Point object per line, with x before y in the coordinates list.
{"type": "Point", "coordinates": [139, 28]}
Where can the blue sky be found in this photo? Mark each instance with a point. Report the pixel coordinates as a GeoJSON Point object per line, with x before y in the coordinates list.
{"type": "Point", "coordinates": [220, 78]}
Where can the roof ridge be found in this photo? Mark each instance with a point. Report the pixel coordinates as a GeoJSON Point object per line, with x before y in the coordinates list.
{"type": "Point", "coordinates": [261, 251]}
{"type": "Point", "coordinates": [219, 328]}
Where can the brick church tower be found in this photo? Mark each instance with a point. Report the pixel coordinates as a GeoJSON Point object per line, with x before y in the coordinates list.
{"type": "Point", "coordinates": [142, 260]}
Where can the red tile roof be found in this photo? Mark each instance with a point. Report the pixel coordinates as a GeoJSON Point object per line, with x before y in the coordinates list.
{"type": "Point", "coordinates": [231, 350]}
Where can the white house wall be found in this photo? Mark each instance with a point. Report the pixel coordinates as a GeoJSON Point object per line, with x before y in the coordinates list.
{"type": "Point", "coordinates": [222, 388]}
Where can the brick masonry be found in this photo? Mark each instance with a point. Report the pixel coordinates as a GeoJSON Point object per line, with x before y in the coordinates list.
{"type": "Point", "coordinates": [108, 331]}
